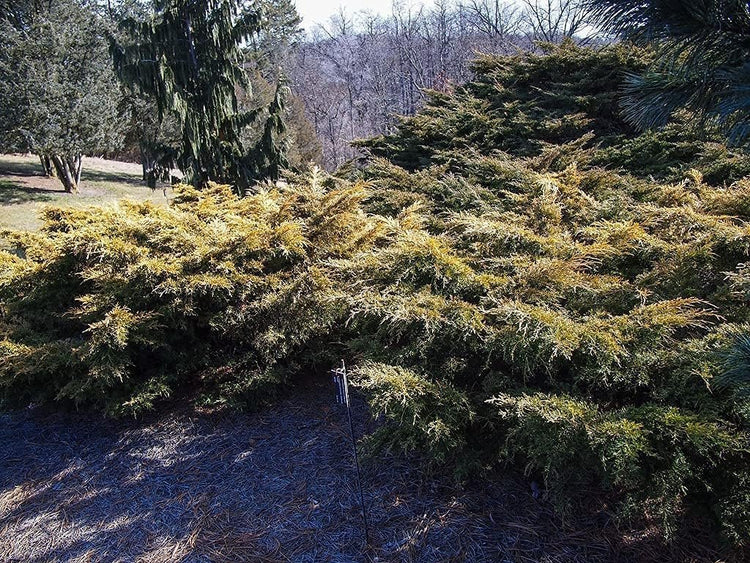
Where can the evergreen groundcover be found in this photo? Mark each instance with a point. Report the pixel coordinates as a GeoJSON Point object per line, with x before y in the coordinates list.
{"type": "Point", "coordinates": [512, 286]}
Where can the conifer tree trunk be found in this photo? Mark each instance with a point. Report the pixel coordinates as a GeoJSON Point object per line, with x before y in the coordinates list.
{"type": "Point", "coordinates": [68, 171]}
{"type": "Point", "coordinates": [47, 167]}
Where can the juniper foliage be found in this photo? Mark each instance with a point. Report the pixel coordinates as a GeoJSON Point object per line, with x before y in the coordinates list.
{"type": "Point", "coordinates": [592, 315]}
{"type": "Point", "coordinates": [580, 321]}
{"type": "Point", "coordinates": [528, 105]}
{"type": "Point", "coordinates": [145, 300]}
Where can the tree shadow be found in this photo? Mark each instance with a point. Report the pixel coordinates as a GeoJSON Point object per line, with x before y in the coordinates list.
{"type": "Point", "coordinates": [277, 485]}
{"type": "Point", "coordinates": [132, 179]}
{"type": "Point", "coordinates": [28, 169]}
{"type": "Point", "coordinates": [12, 193]}
{"type": "Point", "coordinates": [20, 168]}
{"type": "Point", "coordinates": [233, 487]}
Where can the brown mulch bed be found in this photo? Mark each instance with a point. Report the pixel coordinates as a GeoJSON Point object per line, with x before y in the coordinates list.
{"type": "Point", "coordinates": [277, 485]}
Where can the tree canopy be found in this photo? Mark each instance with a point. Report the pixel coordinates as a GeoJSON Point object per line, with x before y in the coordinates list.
{"type": "Point", "coordinates": [188, 56]}
{"type": "Point", "coordinates": [59, 92]}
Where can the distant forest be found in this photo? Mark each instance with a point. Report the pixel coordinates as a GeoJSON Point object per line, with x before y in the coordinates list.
{"type": "Point", "coordinates": [361, 71]}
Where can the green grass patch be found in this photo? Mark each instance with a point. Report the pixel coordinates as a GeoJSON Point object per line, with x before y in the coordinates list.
{"type": "Point", "coordinates": [24, 191]}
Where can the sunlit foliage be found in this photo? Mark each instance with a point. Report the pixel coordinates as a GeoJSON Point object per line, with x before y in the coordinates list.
{"type": "Point", "coordinates": [544, 310]}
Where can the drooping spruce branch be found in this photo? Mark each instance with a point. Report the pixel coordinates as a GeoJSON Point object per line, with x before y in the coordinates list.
{"type": "Point", "coordinates": [188, 56]}
{"type": "Point", "coordinates": [271, 156]}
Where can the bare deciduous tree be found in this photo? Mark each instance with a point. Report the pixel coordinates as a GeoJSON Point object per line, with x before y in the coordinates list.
{"type": "Point", "coordinates": [554, 20]}
{"type": "Point", "coordinates": [359, 72]}
{"type": "Point", "coordinates": [498, 22]}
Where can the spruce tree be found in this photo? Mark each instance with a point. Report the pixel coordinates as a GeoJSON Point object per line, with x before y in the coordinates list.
{"type": "Point", "coordinates": [280, 33]}
{"type": "Point", "coordinates": [188, 56]}
{"type": "Point", "coordinates": [271, 154]}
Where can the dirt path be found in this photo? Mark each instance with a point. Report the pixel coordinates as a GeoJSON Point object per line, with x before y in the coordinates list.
{"type": "Point", "coordinates": [271, 486]}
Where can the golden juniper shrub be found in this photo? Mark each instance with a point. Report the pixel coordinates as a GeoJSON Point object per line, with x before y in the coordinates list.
{"type": "Point", "coordinates": [618, 296]}
{"type": "Point", "coordinates": [121, 306]}
{"type": "Point", "coordinates": [533, 305]}
{"type": "Point", "coordinates": [439, 411]}
{"type": "Point", "coordinates": [583, 284]}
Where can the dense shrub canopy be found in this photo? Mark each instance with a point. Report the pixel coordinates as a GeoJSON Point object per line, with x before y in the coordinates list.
{"type": "Point", "coordinates": [535, 305]}
{"type": "Point", "coordinates": [526, 105]}
{"type": "Point", "coordinates": [119, 307]}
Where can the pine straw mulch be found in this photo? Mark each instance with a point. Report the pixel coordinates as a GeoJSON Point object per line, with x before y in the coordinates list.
{"type": "Point", "coordinates": [277, 485]}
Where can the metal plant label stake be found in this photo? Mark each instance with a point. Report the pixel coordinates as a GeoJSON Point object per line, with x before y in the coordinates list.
{"type": "Point", "coordinates": [341, 380]}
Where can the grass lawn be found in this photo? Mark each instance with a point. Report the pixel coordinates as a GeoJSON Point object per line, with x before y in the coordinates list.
{"type": "Point", "coordinates": [24, 190]}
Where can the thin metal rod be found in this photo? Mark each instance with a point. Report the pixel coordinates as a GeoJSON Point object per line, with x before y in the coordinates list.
{"type": "Point", "coordinates": [356, 455]}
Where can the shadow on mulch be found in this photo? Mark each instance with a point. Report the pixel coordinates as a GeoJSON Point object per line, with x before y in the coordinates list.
{"type": "Point", "coordinates": [272, 486]}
